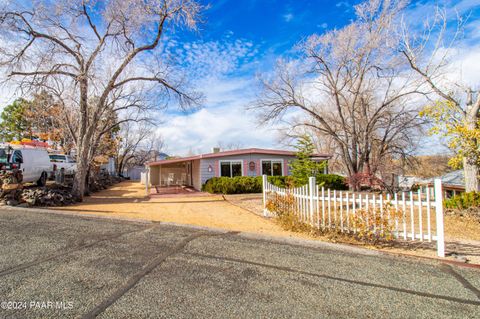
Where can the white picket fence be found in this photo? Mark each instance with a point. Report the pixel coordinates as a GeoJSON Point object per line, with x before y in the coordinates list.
{"type": "Point", "coordinates": [412, 215]}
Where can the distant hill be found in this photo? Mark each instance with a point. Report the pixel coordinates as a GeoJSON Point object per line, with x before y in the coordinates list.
{"type": "Point", "coordinates": [428, 166]}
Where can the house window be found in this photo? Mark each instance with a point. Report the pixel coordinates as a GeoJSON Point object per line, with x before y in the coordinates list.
{"type": "Point", "coordinates": [231, 168]}
{"type": "Point", "coordinates": [272, 167]}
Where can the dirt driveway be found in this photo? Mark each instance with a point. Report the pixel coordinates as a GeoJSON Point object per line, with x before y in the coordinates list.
{"type": "Point", "coordinates": [237, 213]}
{"type": "Point", "coordinates": [128, 200]}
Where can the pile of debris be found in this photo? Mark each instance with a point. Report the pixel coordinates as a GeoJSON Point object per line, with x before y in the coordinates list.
{"type": "Point", "coordinates": [13, 193]}
{"type": "Point", "coordinates": [11, 186]}
{"type": "Point", "coordinates": [47, 197]}
{"type": "Point", "coordinates": [102, 180]}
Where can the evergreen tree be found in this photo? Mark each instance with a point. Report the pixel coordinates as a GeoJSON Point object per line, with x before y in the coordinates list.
{"type": "Point", "coordinates": [303, 166]}
{"type": "Point", "coordinates": [14, 124]}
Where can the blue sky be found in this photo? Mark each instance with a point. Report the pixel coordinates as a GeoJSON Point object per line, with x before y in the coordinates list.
{"type": "Point", "coordinates": [272, 24]}
{"type": "Point", "coordinates": [240, 39]}
{"type": "Point", "coordinates": [236, 41]}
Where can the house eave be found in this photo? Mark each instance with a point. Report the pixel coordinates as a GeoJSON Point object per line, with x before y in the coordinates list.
{"type": "Point", "coordinates": [316, 157]}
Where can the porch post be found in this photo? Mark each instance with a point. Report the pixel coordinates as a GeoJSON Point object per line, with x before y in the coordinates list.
{"type": "Point", "coordinates": [191, 173]}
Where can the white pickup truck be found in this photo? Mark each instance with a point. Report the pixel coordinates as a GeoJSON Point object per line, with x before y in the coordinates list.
{"type": "Point", "coordinates": [66, 162]}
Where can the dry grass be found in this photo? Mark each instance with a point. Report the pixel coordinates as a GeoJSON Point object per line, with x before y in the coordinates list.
{"type": "Point", "coordinates": [456, 227]}
{"type": "Point", "coordinates": [462, 228]}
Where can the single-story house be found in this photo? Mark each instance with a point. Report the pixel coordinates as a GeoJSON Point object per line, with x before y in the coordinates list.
{"type": "Point", "coordinates": [194, 171]}
{"type": "Point", "coordinates": [453, 183]}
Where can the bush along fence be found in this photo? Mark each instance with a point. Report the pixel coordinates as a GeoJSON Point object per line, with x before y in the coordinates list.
{"type": "Point", "coordinates": [410, 216]}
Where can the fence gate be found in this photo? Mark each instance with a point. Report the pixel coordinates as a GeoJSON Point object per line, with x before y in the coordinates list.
{"type": "Point", "coordinates": [412, 216]}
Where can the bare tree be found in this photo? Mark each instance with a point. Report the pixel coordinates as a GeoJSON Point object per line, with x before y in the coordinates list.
{"type": "Point", "coordinates": [431, 54]}
{"type": "Point", "coordinates": [350, 85]}
{"type": "Point", "coordinates": [230, 146]}
{"type": "Point", "coordinates": [95, 57]}
{"type": "Point", "coordinates": [136, 145]}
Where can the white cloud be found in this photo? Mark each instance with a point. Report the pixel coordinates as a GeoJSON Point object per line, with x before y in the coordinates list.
{"type": "Point", "coordinates": [342, 4]}
{"type": "Point", "coordinates": [224, 120]}
{"type": "Point", "coordinates": [464, 53]}
{"type": "Point", "coordinates": [223, 71]}
{"type": "Point", "coordinates": [465, 66]}
{"type": "Point", "coordinates": [323, 25]}
{"type": "Point", "coordinates": [207, 128]}
{"type": "Point", "coordinates": [213, 58]}
{"type": "Point", "coordinates": [288, 17]}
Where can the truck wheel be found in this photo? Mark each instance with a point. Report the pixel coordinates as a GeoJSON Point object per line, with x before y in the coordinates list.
{"type": "Point", "coordinates": [43, 180]}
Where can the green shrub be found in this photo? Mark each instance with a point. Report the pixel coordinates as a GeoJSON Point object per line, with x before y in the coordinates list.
{"type": "Point", "coordinates": [326, 180]}
{"type": "Point", "coordinates": [233, 185]}
{"type": "Point", "coordinates": [332, 181]}
{"type": "Point", "coordinates": [463, 201]}
{"type": "Point", "coordinates": [250, 184]}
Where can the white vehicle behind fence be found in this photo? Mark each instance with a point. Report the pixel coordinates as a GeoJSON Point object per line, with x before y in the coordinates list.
{"type": "Point", "coordinates": [66, 162]}
{"type": "Point", "coordinates": [34, 163]}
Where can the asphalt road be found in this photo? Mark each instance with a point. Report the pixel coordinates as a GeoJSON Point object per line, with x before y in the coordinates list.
{"type": "Point", "coordinates": [55, 265]}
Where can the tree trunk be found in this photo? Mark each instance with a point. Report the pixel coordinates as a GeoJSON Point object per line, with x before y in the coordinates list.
{"type": "Point", "coordinates": [87, 192]}
{"type": "Point", "coordinates": [83, 141]}
{"type": "Point", "coordinates": [471, 175]}
{"type": "Point", "coordinates": [78, 190]}
{"type": "Point", "coordinates": [470, 167]}
{"type": "Point", "coordinates": [120, 165]}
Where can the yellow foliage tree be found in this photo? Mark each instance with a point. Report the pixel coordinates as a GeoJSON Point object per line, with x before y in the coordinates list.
{"type": "Point", "coordinates": [451, 123]}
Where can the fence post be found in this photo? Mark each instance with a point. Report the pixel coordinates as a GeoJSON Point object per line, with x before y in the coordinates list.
{"type": "Point", "coordinates": [439, 218]}
{"type": "Point", "coordinates": [311, 192]}
{"type": "Point", "coordinates": [264, 184]}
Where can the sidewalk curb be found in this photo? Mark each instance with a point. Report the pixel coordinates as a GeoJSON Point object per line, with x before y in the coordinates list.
{"type": "Point", "coordinates": [311, 243]}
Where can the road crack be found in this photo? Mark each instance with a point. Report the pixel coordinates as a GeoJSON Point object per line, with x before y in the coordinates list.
{"type": "Point", "coordinates": [146, 269]}
{"type": "Point", "coordinates": [67, 251]}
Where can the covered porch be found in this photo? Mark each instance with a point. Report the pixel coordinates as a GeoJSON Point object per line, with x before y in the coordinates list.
{"type": "Point", "coordinates": [174, 176]}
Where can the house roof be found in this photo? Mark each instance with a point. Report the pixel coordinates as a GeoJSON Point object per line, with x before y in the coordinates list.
{"type": "Point", "coordinates": [235, 152]}
{"type": "Point", "coordinates": [454, 179]}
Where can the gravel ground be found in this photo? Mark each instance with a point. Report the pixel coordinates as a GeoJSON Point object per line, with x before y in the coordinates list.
{"type": "Point", "coordinates": [89, 267]}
